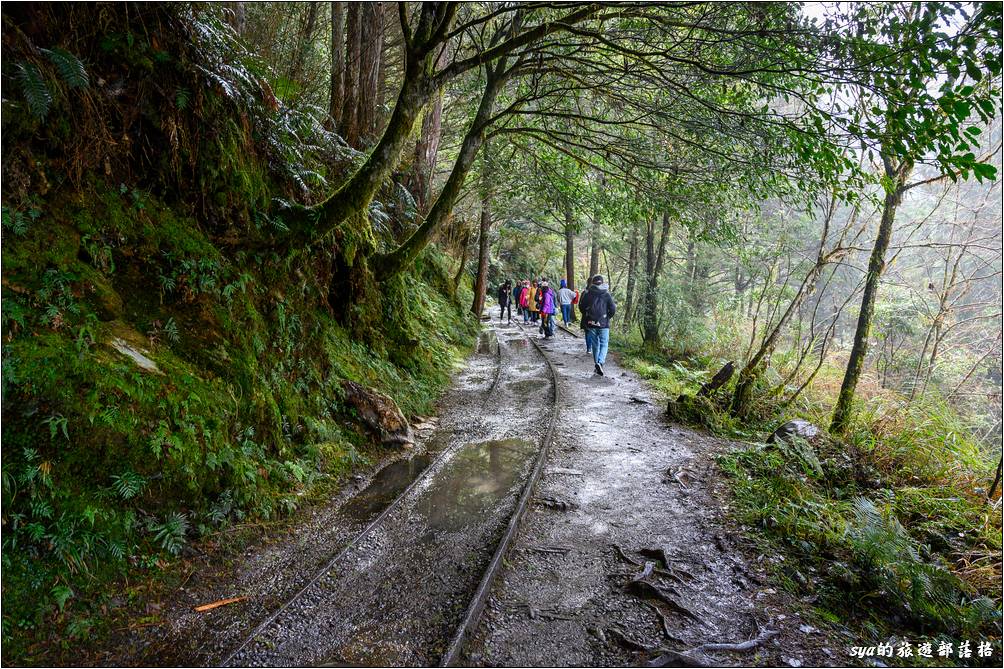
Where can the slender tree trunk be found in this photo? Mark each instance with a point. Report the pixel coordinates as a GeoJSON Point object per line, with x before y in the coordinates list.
{"type": "Point", "coordinates": [750, 372]}
{"type": "Point", "coordinates": [371, 18]}
{"type": "Point", "coordinates": [464, 244]}
{"type": "Point", "coordinates": [484, 230]}
{"type": "Point", "coordinates": [594, 247]}
{"type": "Point", "coordinates": [349, 121]}
{"type": "Point", "coordinates": [236, 16]}
{"type": "Point", "coordinates": [427, 146]}
{"type": "Point", "coordinates": [306, 40]}
{"type": "Point", "coordinates": [632, 269]}
{"type": "Point", "coordinates": [337, 64]}
{"type": "Point", "coordinates": [897, 174]}
{"type": "Point", "coordinates": [569, 247]}
{"type": "Point", "coordinates": [653, 267]}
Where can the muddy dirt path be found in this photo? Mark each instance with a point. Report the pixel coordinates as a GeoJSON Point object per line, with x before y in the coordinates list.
{"type": "Point", "coordinates": [385, 573]}
{"type": "Point", "coordinates": [623, 489]}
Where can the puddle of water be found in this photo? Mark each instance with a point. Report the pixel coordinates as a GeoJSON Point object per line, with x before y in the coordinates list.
{"type": "Point", "coordinates": [487, 341]}
{"type": "Point", "coordinates": [527, 386]}
{"type": "Point", "coordinates": [473, 483]}
{"type": "Point", "coordinates": [388, 483]}
{"type": "Point", "coordinates": [391, 481]}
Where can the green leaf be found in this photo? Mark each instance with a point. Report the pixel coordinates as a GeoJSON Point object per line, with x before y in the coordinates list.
{"type": "Point", "coordinates": [974, 71]}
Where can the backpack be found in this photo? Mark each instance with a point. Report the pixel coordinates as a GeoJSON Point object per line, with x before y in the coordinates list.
{"type": "Point", "coordinates": [575, 298]}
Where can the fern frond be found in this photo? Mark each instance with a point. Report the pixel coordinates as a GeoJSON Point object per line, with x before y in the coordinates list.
{"type": "Point", "coordinates": [36, 92]}
{"type": "Point", "coordinates": [69, 67]}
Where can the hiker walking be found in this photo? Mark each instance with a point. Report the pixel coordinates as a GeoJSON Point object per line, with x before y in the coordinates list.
{"type": "Point", "coordinates": [565, 297]}
{"type": "Point", "coordinates": [524, 301]}
{"type": "Point", "coordinates": [517, 289]}
{"type": "Point", "coordinates": [504, 303]}
{"type": "Point", "coordinates": [547, 309]}
{"type": "Point", "coordinates": [531, 301]}
{"type": "Point", "coordinates": [597, 308]}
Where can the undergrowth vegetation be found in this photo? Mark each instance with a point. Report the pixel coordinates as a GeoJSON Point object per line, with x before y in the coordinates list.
{"type": "Point", "coordinates": [887, 531]}
{"type": "Point", "coordinates": [162, 378]}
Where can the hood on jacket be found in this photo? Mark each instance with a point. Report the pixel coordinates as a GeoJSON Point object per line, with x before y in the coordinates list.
{"type": "Point", "coordinates": [564, 284]}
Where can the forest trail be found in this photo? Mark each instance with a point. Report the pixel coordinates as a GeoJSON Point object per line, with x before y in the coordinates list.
{"type": "Point", "coordinates": [385, 574]}
{"type": "Point", "coordinates": [620, 485]}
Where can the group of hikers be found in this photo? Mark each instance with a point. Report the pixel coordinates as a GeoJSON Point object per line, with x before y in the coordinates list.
{"type": "Point", "coordinates": [537, 302]}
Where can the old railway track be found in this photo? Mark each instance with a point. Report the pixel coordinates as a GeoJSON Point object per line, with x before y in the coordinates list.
{"type": "Point", "coordinates": [411, 586]}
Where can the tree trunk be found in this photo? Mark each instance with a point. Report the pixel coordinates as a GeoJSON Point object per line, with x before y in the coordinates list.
{"type": "Point", "coordinates": [391, 263]}
{"type": "Point", "coordinates": [632, 268]}
{"type": "Point", "coordinates": [236, 16]}
{"type": "Point", "coordinates": [371, 48]}
{"type": "Point", "coordinates": [484, 229]}
{"type": "Point", "coordinates": [897, 174]}
{"type": "Point", "coordinates": [349, 121]}
{"type": "Point", "coordinates": [594, 247]}
{"type": "Point", "coordinates": [569, 247]}
{"type": "Point", "coordinates": [306, 40]}
{"type": "Point", "coordinates": [465, 242]}
{"type": "Point", "coordinates": [427, 146]}
{"type": "Point", "coordinates": [653, 267]}
{"type": "Point", "coordinates": [337, 64]}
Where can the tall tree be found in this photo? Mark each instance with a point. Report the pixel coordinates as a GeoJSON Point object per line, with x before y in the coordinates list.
{"type": "Point", "coordinates": [349, 119]}
{"type": "Point", "coordinates": [907, 120]}
{"type": "Point", "coordinates": [569, 229]}
{"type": "Point", "coordinates": [337, 63]}
{"type": "Point", "coordinates": [655, 250]}
{"type": "Point", "coordinates": [371, 51]}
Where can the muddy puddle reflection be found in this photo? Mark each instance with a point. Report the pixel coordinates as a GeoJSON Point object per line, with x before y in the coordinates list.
{"type": "Point", "coordinates": [477, 479]}
{"type": "Point", "coordinates": [388, 483]}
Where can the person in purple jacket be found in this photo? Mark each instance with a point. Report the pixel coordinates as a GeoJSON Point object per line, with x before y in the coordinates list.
{"type": "Point", "coordinates": [548, 305]}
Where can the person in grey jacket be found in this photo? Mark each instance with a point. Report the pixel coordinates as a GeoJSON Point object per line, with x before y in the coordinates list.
{"type": "Point", "coordinates": [597, 308]}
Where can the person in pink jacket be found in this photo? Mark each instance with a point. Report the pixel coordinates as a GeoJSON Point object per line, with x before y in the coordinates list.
{"type": "Point", "coordinates": [547, 308]}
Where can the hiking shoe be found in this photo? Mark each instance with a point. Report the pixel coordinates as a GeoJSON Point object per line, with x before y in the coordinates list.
{"type": "Point", "coordinates": [598, 369]}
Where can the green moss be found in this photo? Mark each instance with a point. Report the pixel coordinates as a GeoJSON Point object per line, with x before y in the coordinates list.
{"type": "Point", "coordinates": [244, 418]}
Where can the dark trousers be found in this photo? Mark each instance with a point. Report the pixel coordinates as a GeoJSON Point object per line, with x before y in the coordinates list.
{"type": "Point", "coordinates": [505, 307]}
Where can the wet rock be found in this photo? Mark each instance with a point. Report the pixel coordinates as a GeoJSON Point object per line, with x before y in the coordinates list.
{"type": "Point", "coordinates": [134, 354]}
{"type": "Point", "coordinates": [379, 412]}
{"type": "Point", "coordinates": [799, 428]}
{"type": "Point", "coordinates": [556, 504]}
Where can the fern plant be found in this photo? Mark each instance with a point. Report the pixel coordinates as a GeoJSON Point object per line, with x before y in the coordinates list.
{"type": "Point", "coordinates": [33, 87]}
{"type": "Point", "coordinates": [128, 484]}
{"type": "Point", "coordinates": [171, 533]}
{"type": "Point", "coordinates": [69, 67]}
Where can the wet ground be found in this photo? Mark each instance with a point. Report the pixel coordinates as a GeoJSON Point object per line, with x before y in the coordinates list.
{"type": "Point", "coordinates": [624, 492]}
{"type": "Point", "coordinates": [385, 573]}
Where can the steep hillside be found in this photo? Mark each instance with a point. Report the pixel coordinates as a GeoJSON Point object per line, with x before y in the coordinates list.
{"type": "Point", "coordinates": [165, 371]}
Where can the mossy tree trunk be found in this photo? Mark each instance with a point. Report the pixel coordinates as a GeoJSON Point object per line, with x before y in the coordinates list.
{"type": "Point", "coordinates": [391, 263]}
{"type": "Point", "coordinates": [484, 230]}
{"type": "Point", "coordinates": [896, 174]}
